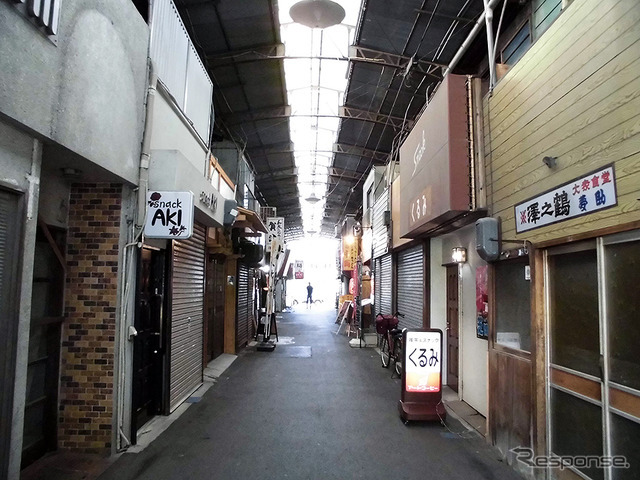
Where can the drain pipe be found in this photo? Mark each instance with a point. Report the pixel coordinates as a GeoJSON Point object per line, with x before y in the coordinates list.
{"type": "Point", "coordinates": [489, 6]}
{"type": "Point", "coordinates": [140, 220]}
{"type": "Point", "coordinates": [145, 154]}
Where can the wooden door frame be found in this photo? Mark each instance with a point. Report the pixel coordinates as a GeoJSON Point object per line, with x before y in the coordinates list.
{"type": "Point", "coordinates": [459, 297]}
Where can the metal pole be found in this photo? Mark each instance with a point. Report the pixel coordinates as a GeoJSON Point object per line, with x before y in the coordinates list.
{"type": "Point", "coordinates": [488, 20]}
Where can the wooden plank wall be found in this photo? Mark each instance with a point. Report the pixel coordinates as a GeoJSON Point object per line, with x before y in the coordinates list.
{"type": "Point", "coordinates": [574, 95]}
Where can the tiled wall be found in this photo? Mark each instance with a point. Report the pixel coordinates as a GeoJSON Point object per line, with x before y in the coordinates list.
{"type": "Point", "coordinates": [88, 338]}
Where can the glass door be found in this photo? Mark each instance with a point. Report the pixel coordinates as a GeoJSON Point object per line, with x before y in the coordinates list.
{"type": "Point", "coordinates": [593, 298]}
{"type": "Point", "coordinates": [621, 262]}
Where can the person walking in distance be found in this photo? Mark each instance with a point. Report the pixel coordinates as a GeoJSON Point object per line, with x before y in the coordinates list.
{"type": "Point", "coordinates": [309, 294]}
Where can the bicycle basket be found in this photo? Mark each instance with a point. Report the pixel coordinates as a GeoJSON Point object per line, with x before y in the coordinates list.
{"type": "Point", "coordinates": [384, 323]}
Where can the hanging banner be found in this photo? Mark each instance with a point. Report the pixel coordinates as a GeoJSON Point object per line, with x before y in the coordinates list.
{"type": "Point", "coordinates": [590, 193]}
{"type": "Point", "coordinates": [275, 228]}
{"type": "Point", "coordinates": [298, 269]}
{"type": "Point", "coordinates": [349, 254]}
{"type": "Point", "coordinates": [169, 215]}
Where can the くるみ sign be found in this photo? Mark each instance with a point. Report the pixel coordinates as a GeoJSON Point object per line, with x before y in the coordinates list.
{"type": "Point", "coordinates": [590, 193]}
{"type": "Point", "coordinates": [169, 215]}
{"type": "Point", "coordinates": [423, 361]}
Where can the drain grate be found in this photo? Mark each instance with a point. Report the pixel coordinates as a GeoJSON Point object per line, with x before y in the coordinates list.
{"type": "Point", "coordinates": [292, 351]}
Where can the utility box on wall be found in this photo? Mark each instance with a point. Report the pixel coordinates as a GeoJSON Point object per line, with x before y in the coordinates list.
{"type": "Point", "coordinates": [487, 244]}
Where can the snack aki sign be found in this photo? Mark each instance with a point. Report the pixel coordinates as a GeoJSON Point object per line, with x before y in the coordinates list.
{"type": "Point", "coordinates": [169, 215]}
{"type": "Point", "coordinates": [590, 193]}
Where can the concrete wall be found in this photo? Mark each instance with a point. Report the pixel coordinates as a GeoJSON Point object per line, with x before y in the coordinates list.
{"type": "Point", "coordinates": [170, 133]}
{"type": "Point", "coordinates": [19, 162]}
{"type": "Point", "coordinates": [85, 91]}
{"type": "Point", "coordinates": [473, 374]}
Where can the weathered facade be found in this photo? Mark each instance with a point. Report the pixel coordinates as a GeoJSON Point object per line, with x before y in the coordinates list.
{"type": "Point", "coordinates": [560, 129]}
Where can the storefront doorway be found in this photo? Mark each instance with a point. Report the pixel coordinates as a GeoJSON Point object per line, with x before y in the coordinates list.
{"type": "Point", "coordinates": [215, 299]}
{"type": "Point", "coordinates": [452, 327]}
{"type": "Point", "coordinates": [594, 369]}
{"type": "Point", "coordinates": [150, 342]}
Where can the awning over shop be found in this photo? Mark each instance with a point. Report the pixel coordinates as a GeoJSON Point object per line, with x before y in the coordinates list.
{"type": "Point", "coordinates": [250, 222]}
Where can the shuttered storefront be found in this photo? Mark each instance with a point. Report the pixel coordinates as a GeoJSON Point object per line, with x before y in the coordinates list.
{"type": "Point", "coordinates": [10, 254]}
{"type": "Point", "coordinates": [385, 285]}
{"type": "Point", "coordinates": [380, 228]}
{"type": "Point", "coordinates": [187, 313]}
{"type": "Point", "coordinates": [244, 321]}
{"type": "Point", "coordinates": [410, 286]}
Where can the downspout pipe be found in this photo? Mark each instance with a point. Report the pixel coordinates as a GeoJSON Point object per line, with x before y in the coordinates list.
{"type": "Point", "coordinates": [140, 219]}
{"type": "Point", "coordinates": [145, 154]}
{"type": "Point", "coordinates": [489, 5]}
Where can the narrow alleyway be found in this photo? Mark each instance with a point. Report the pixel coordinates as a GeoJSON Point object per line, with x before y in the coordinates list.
{"type": "Point", "coordinates": [312, 409]}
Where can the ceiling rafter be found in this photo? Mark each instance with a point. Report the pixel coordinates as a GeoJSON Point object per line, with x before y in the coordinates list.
{"type": "Point", "coordinates": [369, 55]}
{"type": "Point", "coordinates": [356, 150]}
{"type": "Point", "coordinates": [269, 113]}
{"type": "Point", "coordinates": [262, 52]}
{"type": "Point", "coordinates": [375, 117]}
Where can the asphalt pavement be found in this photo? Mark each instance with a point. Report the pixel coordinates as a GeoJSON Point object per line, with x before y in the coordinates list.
{"type": "Point", "coordinates": [314, 408]}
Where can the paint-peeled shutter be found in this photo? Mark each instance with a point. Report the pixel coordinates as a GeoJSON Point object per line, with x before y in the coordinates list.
{"type": "Point", "coordinates": [243, 310]}
{"type": "Point", "coordinates": [410, 286]}
{"type": "Point", "coordinates": [380, 229]}
{"type": "Point", "coordinates": [10, 231]}
{"type": "Point", "coordinates": [187, 313]}
{"type": "Point", "coordinates": [386, 282]}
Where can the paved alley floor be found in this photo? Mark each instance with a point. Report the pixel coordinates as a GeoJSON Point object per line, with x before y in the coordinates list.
{"type": "Point", "coordinates": [314, 408]}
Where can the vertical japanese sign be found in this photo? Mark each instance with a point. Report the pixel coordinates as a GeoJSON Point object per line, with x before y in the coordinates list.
{"type": "Point", "coordinates": [275, 228]}
{"type": "Point", "coordinates": [349, 254]}
{"type": "Point", "coordinates": [169, 215]}
{"type": "Point", "coordinates": [590, 193]}
{"type": "Point", "coordinates": [298, 270]}
{"type": "Point", "coordinates": [422, 361]}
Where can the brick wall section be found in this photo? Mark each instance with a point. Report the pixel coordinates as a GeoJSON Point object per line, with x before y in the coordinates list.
{"type": "Point", "coordinates": [88, 338]}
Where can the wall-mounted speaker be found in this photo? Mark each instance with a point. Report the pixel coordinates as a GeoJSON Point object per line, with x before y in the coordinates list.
{"type": "Point", "coordinates": [487, 243]}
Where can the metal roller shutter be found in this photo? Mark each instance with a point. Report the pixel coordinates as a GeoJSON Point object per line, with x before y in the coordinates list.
{"type": "Point", "coordinates": [380, 229]}
{"type": "Point", "coordinates": [386, 283]}
{"type": "Point", "coordinates": [244, 305]}
{"type": "Point", "coordinates": [187, 314]}
{"type": "Point", "coordinates": [410, 287]}
{"type": "Point", "coordinates": [377, 276]}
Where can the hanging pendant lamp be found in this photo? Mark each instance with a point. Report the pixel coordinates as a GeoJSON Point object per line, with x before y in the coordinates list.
{"type": "Point", "coordinates": [317, 13]}
{"type": "Point", "coordinates": [312, 198]}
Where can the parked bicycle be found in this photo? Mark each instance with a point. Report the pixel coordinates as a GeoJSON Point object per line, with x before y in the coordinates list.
{"type": "Point", "coordinates": [390, 340]}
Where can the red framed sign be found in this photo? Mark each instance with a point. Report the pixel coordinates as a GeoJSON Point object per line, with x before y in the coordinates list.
{"type": "Point", "coordinates": [421, 396]}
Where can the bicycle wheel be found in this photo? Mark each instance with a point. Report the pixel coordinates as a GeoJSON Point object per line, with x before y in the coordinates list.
{"type": "Point", "coordinates": [384, 351]}
{"type": "Point", "coordinates": [398, 355]}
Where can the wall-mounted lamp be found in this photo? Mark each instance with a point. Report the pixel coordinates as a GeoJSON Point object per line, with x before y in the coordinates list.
{"type": "Point", "coordinates": [550, 161]}
{"type": "Point", "coordinates": [71, 173]}
{"type": "Point", "coordinates": [459, 254]}
{"type": "Point", "coordinates": [349, 239]}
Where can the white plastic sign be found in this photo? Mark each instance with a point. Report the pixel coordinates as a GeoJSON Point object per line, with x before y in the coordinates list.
{"type": "Point", "coordinates": [169, 215]}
